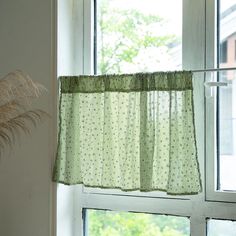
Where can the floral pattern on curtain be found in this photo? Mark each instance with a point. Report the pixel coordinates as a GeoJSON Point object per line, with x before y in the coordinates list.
{"type": "Point", "coordinates": [131, 132]}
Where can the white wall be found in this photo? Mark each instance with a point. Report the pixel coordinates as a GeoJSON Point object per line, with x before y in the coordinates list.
{"type": "Point", "coordinates": [27, 195]}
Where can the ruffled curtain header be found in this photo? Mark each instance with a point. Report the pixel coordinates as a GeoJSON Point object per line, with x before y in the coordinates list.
{"type": "Point", "coordinates": [161, 81]}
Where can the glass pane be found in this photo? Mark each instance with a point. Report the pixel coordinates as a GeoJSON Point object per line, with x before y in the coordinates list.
{"type": "Point", "coordinates": [227, 131]}
{"type": "Point", "coordinates": [138, 36]}
{"type": "Point", "coordinates": [106, 223]}
{"type": "Point", "coordinates": [221, 228]}
{"type": "Point", "coordinates": [226, 105]}
{"type": "Point", "coordinates": [227, 33]}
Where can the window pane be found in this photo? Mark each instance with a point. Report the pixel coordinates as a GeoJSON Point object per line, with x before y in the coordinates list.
{"type": "Point", "coordinates": [227, 131]}
{"type": "Point", "coordinates": [221, 228]}
{"type": "Point", "coordinates": [227, 33]}
{"type": "Point", "coordinates": [106, 223]}
{"type": "Point", "coordinates": [223, 52]}
{"type": "Point", "coordinates": [138, 36]}
{"type": "Point", "coordinates": [226, 102]}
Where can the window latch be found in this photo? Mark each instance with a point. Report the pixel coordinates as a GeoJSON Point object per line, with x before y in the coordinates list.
{"type": "Point", "coordinates": [211, 88]}
{"type": "Point", "coordinates": [216, 84]}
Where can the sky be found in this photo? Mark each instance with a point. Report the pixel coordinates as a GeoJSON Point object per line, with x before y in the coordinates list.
{"type": "Point", "coordinates": [157, 7]}
{"type": "Point", "coordinates": [153, 6]}
{"type": "Point", "coordinates": [226, 4]}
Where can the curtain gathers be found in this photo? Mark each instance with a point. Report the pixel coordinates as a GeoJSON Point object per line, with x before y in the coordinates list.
{"type": "Point", "coordinates": [131, 132]}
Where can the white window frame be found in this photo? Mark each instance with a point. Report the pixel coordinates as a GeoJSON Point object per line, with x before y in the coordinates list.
{"type": "Point", "coordinates": [210, 110]}
{"type": "Point", "coordinates": [198, 53]}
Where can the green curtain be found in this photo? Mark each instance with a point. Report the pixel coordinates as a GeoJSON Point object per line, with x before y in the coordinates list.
{"type": "Point", "coordinates": [132, 132]}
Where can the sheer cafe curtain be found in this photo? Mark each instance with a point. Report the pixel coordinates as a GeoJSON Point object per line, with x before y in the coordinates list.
{"type": "Point", "coordinates": [131, 132]}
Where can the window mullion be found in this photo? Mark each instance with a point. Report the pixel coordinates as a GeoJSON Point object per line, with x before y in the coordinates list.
{"type": "Point", "coordinates": [88, 35]}
{"type": "Point", "coordinates": [78, 36]}
{"type": "Point", "coordinates": [198, 225]}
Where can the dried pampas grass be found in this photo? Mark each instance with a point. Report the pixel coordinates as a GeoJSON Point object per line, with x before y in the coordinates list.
{"type": "Point", "coordinates": [16, 93]}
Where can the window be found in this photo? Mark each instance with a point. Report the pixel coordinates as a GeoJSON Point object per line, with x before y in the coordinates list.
{"type": "Point", "coordinates": [223, 52]}
{"type": "Point", "coordinates": [235, 50]}
{"type": "Point", "coordinates": [93, 38]}
{"type": "Point", "coordinates": [130, 223]}
{"type": "Point", "coordinates": [221, 227]}
{"type": "Point", "coordinates": [226, 134]}
{"type": "Point", "coordinates": [138, 36]}
{"type": "Point", "coordinates": [222, 153]}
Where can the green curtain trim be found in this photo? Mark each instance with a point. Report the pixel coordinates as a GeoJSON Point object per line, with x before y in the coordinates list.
{"type": "Point", "coordinates": [127, 190]}
{"type": "Point", "coordinates": [161, 81]}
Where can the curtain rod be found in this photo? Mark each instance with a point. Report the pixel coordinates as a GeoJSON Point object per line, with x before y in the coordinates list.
{"type": "Point", "coordinates": [214, 69]}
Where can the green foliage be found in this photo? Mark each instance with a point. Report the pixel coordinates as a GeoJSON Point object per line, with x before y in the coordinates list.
{"type": "Point", "coordinates": [108, 223]}
{"type": "Point", "coordinates": [123, 34]}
